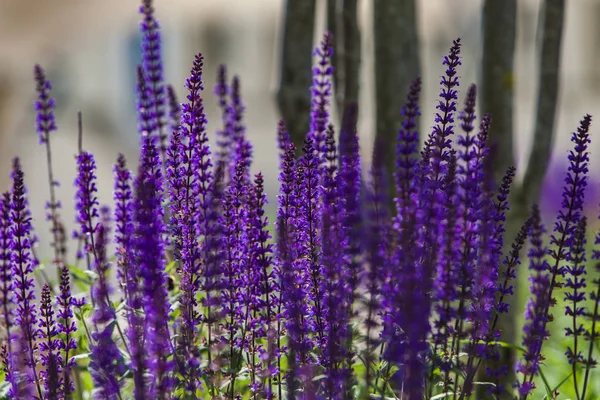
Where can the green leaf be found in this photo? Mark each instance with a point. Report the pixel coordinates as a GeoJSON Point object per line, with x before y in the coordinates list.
{"type": "Point", "coordinates": [81, 356]}
{"type": "Point", "coordinates": [442, 396]}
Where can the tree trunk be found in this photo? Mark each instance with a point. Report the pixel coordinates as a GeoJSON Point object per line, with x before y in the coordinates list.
{"type": "Point", "coordinates": [293, 96]}
{"type": "Point", "coordinates": [396, 65]}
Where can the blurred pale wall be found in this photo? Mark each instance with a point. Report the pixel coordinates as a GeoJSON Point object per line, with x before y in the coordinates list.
{"type": "Point", "coordinates": [89, 51]}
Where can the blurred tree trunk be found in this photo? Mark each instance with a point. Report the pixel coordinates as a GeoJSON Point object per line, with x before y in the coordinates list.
{"type": "Point", "coordinates": [342, 22]}
{"type": "Point", "coordinates": [396, 65]}
{"type": "Point", "coordinates": [551, 22]}
{"type": "Point", "coordinates": [498, 25]}
{"type": "Point", "coordinates": [497, 97]}
{"type": "Point", "coordinates": [293, 96]}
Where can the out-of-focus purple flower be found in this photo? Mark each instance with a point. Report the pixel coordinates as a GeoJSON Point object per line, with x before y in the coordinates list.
{"type": "Point", "coordinates": [339, 277]}
{"type": "Point", "coordinates": [407, 151]}
{"type": "Point", "coordinates": [49, 348]}
{"type": "Point", "coordinates": [150, 257]}
{"type": "Point", "coordinates": [377, 249]}
{"type": "Point", "coordinates": [6, 288]}
{"type": "Point", "coordinates": [222, 91]}
{"type": "Point", "coordinates": [174, 109]}
{"type": "Point", "coordinates": [321, 92]}
{"type": "Point", "coordinates": [239, 143]}
{"type": "Point", "coordinates": [5, 266]}
{"type": "Point", "coordinates": [147, 119]}
{"type": "Point", "coordinates": [44, 105]}
{"type": "Point", "coordinates": [23, 286]}
{"type": "Point", "coordinates": [349, 181]}
{"type": "Point", "coordinates": [153, 70]}
{"type": "Point", "coordinates": [104, 312]}
{"type": "Point", "coordinates": [106, 364]}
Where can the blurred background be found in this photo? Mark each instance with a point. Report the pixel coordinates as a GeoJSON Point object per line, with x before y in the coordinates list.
{"type": "Point", "coordinates": [90, 50]}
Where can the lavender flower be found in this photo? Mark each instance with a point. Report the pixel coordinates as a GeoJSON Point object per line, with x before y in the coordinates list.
{"type": "Point", "coordinates": [49, 347]}
{"type": "Point", "coordinates": [575, 297]}
{"type": "Point", "coordinates": [308, 259]}
{"type": "Point", "coordinates": [5, 267]}
{"type": "Point", "coordinates": [150, 256]}
{"type": "Point", "coordinates": [406, 152]}
{"type": "Point", "coordinates": [562, 239]}
{"type": "Point", "coordinates": [222, 91]}
{"type": "Point", "coordinates": [174, 109]}
{"type": "Point", "coordinates": [234, 265]}
{"type": "Point", "coordinates": [242, 148]}
{"type": "Point", "coordinates": [67, 328]}
{"type": "Point", "coordinates": [6, 289]}
{"type": "Point", "coordinates": [153, 70]}
{"type": "Point", "coordinates": [127, 273]}
{"type": "Point", "coordinates": [592, 333]}
{"type": "Point", "coordinates": [44, 106]}
{"type": "Point", "coordinates": [321, 92]}
{"type": "Point", "coordinates": [86, 202]}
{"type": "Point", "coordinates": [536, 316]}
{"type": "Point", "coordinates": [264, 286]}
{"type": "Point", "coordinates": [191, 179]}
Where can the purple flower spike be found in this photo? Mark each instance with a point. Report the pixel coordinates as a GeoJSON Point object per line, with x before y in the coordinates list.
{"type": "Point", "coordinates": [407, 145]}
{"type": "Point", "coordinates": [45, 124]}
{"type": "Point", "coordinates": [575, 298]}
{"type": "Point", "coordinates": [439, 138]}
{"type": "Point", "coordinates": [174, 109]}
{"type": "Point", "coordinates": [23, 286]}
{"type": "Point", "coordinates": [321, 91]}
{"type": "Point", "coordinates": [123, 199]}
{"type": "Point", "coordinates": [6, 288]}
{"type": "Point", "coordinates": [5, 265]}
{"type": "Point", "coordinates": [44, 105]}
{"type": "Point", "coordinates": [66, 327]}
{"type": "Point", "coordinates": [104, 312]}
{"type": "Point", "coordinates": [190, 177]}
{"type": "Point", "coordinates": [153, 69]}
{"type": "Point", "coordinates": [242, 148]}
{"type": "Point", "coordinates": [127, 273]}
{"type": "Point", "coordinates": [309, 211]}
{"type": "Point", "coordinates": [222, 91]}
{"type": "Point", "coordinates": [150, 254]}
{"type": "Point", "coordinates": [147, 121]}
{"type": "Point", "coordinates": [49, 347]}
{"type": "Point", "coordinates": [106, 364]}
{"type": "Point", "coordinates": [536, 314]}
{"type": "Point", "coordinates": [86, 202]}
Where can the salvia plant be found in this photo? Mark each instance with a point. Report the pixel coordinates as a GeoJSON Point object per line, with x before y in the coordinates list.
{"type": "Point", "coordinates": [353, 290]}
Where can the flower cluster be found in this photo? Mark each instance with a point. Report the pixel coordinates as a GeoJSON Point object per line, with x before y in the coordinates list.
{"type": "Point", "coordinates": [359, 287]}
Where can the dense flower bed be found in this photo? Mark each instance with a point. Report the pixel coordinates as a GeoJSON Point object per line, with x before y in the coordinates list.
{"type": "Point", "coordinates": [366, 291]}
